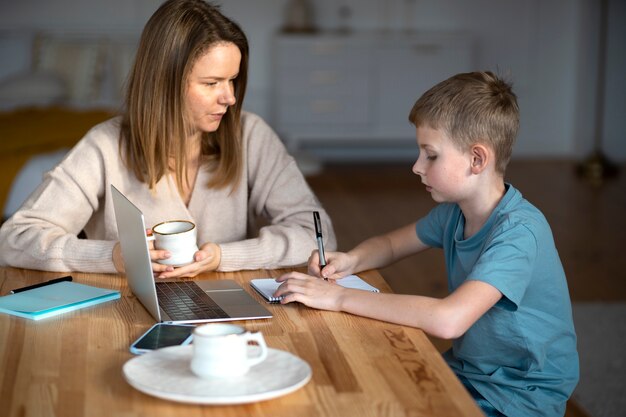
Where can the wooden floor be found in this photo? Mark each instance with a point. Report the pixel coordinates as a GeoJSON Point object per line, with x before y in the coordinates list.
{"type": "Point", "coordinates": [588, 223]}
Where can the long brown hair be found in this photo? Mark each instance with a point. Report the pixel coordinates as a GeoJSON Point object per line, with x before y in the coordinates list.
{"type": "Point", "coordinates": [154, 123]}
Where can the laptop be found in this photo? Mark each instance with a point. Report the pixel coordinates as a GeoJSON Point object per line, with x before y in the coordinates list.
{"type": "Point", "coordinates": [179, 301]}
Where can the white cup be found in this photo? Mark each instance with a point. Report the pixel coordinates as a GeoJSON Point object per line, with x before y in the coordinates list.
{"type": "Point", "coordinates": [221, 350]}
{"type": "Point", "coordinates": [179, 238]}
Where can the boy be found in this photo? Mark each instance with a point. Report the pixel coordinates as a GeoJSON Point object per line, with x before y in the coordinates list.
{"type": "Point", "coordinates": [508, 311]}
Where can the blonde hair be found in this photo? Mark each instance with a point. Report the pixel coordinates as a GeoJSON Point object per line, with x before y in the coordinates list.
{"type": "Point", "coordinates": [154, 124]}
{"type": "Point", "coordinates": [475, 107]}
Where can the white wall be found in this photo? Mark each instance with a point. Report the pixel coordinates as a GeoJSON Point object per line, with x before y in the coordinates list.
{"type": "Point", "coordinates": [548, 49]}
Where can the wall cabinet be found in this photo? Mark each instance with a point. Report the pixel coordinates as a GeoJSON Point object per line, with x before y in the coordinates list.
{"type": "Point", "coordinates": [348, 96]}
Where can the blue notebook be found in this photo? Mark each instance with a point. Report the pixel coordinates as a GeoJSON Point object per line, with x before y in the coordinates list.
{"type": "Point", "coordinates": [54, 299]}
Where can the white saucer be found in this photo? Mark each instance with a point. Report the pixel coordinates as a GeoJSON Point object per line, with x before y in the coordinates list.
{"type": "Point", "coordinates": [165, 373]}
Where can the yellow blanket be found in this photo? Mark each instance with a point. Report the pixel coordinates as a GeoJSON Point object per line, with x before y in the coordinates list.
{"type": "Point", "coordinates": [31, 131]}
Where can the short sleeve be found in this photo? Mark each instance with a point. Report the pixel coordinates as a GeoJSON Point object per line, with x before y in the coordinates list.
{"type": "Point", "coordinates": [507, 263]}
{"type": "Point", "coordinates": [431, 228]}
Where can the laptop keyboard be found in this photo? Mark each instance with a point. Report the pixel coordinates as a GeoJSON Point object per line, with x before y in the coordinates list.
{"type": "Point", "coordinates": [185, 300]}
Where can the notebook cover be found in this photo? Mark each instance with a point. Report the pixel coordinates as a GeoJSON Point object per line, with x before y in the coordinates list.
{"type": "Point", "coordinates": [54, 299]}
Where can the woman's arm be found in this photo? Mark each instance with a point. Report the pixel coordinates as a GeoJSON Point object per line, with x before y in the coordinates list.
{"type": "Point", "coordinates": [43, 233]}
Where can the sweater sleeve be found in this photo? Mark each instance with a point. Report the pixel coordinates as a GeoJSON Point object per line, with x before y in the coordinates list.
{"type": "Point", "coordinates": [279, 193]}
{"type": "Point", "coordinates": [43, 233]}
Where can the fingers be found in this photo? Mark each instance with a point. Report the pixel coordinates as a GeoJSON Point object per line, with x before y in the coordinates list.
{"type": "Point", "coordinates": [292, 284]}
{"type": "Point", "coordinates": [314, 264]}
{"type": "Point", "coordinates": [308, 290]}
{"type": "Point", "coordinates": [159, 254]}
{"type": "Point", "coordinates": [118, 258]}
{"type": "Point", "coordinates": [159, 270]}
{"type": "Point", "coordinates": [205, 259]}
{"type": "Point", "coordinates": [334, 269]}
{"type": "Point", "coordinates": [329, 272]}
{"type": "Point", "coordinates": [200, 256]}
{"type": "Point", "coordinates": [296, 281]}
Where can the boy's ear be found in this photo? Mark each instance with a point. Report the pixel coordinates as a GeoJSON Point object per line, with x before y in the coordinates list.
{"type": "Point", "coordinates": [480, 158]}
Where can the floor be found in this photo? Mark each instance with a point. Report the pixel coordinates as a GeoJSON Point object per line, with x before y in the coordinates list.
{"type": "Point", "coordinates": [588, 222]}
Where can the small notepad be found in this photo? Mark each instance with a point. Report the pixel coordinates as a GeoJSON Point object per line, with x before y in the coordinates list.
{"type": "Point", "coordinates": [54, 299]}
{"type": "Point", "coordinates": [268, 286]}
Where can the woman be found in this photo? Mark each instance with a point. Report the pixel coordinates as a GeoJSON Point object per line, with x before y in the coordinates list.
{"type": "Point", "coordinates": [183, 149]}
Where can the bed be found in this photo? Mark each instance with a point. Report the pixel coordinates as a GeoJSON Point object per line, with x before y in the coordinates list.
{"type": "Point", "coordinates": [33, 140]}
{"type": "Point", "coordinates": [62, 86]}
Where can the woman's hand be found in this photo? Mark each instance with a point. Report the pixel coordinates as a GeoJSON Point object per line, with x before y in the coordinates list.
{"type": "Point", "coordinates": [338, 265]}
{"type": "Point", "coordinates": [206, 259]}
{"type": "Point", "coordinates": [311, 291]}
{"type": "Point", "coordinates": [155, 255]}
{"type": "Point", "coordinates": [118, 259]}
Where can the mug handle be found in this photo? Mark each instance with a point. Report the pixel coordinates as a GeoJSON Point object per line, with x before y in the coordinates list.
{"type": "Point", "coordinates": [257, 337]}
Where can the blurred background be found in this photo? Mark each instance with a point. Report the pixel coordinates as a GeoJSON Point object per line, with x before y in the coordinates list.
{"type": "Point", "coordinates": [382, 53]}
{"type": "Point", "coordinates": [336, 79]}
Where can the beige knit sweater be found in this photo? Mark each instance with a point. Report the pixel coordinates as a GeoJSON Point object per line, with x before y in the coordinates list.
{"type": "Point", "coordinates": [75, 196]}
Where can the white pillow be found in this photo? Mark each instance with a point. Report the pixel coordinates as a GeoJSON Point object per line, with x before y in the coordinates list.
{"type": "Point", "coordinates": [78, 61]}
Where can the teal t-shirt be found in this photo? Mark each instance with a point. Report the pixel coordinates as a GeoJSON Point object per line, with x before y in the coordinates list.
{"type": "Point", "coordinates": [521, 354]}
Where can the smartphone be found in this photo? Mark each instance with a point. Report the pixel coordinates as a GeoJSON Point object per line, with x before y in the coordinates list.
{"type": "Point", "coordinates": [162, 335]}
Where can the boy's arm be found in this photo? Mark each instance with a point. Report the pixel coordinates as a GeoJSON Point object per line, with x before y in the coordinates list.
{"type": "Point", "coordinates": [376, 252]}
{"type": "Point", "coordinates": [386, 249]}
{"type": "Point", "coordinates": [446, 318]}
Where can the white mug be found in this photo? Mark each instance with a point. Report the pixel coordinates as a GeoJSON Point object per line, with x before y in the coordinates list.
{"type": "Point", "coordinates": [179, 238]}
{"type": "Point", "coordinates": [221, 350]}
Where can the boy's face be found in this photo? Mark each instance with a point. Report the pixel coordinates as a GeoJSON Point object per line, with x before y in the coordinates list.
{"type": "Point", "coordinates": [443, 168]}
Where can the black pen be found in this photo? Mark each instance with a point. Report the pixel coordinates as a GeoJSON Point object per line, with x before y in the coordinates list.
{"type": "Point", "coordinates": [41, 284]}
{"type": "Point", "coordinates": [320, 239]}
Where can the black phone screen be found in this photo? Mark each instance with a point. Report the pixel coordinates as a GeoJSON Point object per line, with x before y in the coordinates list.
{"type": "Point", "coordinates": [163, 335]}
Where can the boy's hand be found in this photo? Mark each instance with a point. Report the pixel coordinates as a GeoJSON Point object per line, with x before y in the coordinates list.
{"type": "Point", "coordinates": [338, 265]}
{"type": "Point", "coordinates": [310, 291]}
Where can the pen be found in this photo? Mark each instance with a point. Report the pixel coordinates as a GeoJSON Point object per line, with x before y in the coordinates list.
{"type": "Point", "coordinates": [41, 284]}
{"type": "Point", "coordinates": [320, 240]}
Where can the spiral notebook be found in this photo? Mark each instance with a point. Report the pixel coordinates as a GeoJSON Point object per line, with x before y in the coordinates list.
{"type": "Point", "coordinates": [267, 286]}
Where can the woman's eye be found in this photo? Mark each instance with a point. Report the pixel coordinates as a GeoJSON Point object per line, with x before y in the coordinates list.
{"type": "Point", "coordinates": [431, 157]}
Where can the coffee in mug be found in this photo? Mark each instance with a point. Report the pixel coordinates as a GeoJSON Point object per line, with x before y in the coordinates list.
{"type": "Point", "coordinates": [221, 350]}
{"type": "Point", "coordinates": [179, 238]}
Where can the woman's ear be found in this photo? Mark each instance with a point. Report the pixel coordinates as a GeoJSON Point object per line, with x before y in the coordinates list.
{"type": "Point", "coordinates": [480, 158]}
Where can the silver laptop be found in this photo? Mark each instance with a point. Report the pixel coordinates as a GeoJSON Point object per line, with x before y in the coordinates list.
{"type": "Point", "coordinates": [179, 301]}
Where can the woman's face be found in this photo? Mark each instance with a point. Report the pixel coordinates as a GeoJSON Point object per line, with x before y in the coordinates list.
{"type": "Point", "coordinates": [210, 88]}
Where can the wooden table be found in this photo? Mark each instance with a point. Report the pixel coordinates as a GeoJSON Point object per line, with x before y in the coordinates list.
{"type": "Point", "coordinates": [71, 365]}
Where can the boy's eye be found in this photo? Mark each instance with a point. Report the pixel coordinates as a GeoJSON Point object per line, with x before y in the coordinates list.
{"type": "Point", "coordinates": [431, 157]}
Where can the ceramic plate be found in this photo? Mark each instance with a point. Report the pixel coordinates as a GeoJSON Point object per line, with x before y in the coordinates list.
{"type": "Point", "coordinates": [165, 373]}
